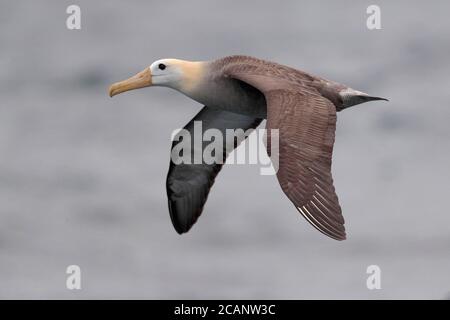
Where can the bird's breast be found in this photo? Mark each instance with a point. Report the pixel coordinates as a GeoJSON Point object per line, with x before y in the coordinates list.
{"type": "Point", "coordinates": [231, 95]}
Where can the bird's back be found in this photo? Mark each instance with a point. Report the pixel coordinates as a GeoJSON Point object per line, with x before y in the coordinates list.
{"type": "Point", "coordinates": [283, 76]}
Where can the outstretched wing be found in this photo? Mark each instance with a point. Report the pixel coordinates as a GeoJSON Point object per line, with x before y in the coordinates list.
{"type": "Point", "coordinates": [306, 122]}
{"type": "Point", "coordinates": [306, 125]}
{"type": "Point", "coordinates": [188, 184]}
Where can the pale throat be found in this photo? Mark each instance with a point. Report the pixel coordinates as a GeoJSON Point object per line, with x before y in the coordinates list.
{"type": "Point", "coordinates": [194, 77]}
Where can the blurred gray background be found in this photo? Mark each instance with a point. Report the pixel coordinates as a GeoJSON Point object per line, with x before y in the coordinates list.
{"type": "Point", "coordinates": [82, 176]}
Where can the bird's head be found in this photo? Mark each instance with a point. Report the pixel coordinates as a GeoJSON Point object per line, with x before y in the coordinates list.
{"type": "Point", "coordinates": [177, 74]}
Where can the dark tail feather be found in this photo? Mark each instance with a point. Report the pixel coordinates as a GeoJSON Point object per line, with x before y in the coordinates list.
{"type": "Point", "coordinates": [352, 97]}
{"type": "Point", "coordinates": [369, 98]}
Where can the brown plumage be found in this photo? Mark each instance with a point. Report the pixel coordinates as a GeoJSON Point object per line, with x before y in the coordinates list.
{"type": "Point", "coordinates": [238, 92]}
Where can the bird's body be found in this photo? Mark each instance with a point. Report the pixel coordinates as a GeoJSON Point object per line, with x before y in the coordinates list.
{"type": "Point", "coordinates": [238, 92]}
{"type": "Point", "coordinates": [223, 93]}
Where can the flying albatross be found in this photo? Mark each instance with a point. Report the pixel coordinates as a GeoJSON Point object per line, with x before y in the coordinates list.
{"type": "Point", "coordinates": [238, 92]}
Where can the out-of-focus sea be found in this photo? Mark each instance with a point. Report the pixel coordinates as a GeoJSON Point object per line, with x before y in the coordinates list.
{"type": "Point", "coordinates": [82, 176]}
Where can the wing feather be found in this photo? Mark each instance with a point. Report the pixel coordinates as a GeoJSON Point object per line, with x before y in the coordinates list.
{"type": "Point", "coordinates": [306, 121]}
{"type": "Point", "coordinates": [188, 185]}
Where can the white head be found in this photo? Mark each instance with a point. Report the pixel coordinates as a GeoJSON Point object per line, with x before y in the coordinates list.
{"type": "Point", "coordinates": [167, 72]}
{"type": "Point", "coordinates": [173, 73]}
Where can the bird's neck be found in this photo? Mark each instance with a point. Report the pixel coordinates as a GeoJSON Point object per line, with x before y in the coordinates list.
{"type": "Point", "coordinates": [205, 84]}
{"type": "Point", "coordinates": [194, 77]}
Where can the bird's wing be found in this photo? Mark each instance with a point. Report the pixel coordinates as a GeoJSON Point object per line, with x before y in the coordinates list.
{"type": "Point", "coordinates": [306, 122]}
{"type": "Point", "coordinates": [188, 184]}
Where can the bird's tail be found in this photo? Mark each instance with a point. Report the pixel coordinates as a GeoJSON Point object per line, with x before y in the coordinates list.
{"type": "Point", "coordinates": [352, 97]}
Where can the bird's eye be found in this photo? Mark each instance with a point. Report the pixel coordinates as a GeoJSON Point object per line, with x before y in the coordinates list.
{"type": "Point", "coordinates": [161, 66]}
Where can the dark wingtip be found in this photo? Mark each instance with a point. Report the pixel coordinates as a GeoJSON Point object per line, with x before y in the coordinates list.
{"type": "Point", "coordinates": [178, 225]}
{"type": "Point", "coordinates": [342, 238]}
{"type": "Point", "coordinates": [180, 231]}
{"type": "Point", "coordinates": [339, 237]}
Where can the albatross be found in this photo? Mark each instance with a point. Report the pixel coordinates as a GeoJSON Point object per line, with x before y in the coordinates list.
{"type": "Point", "coordinates": [238, 92]}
